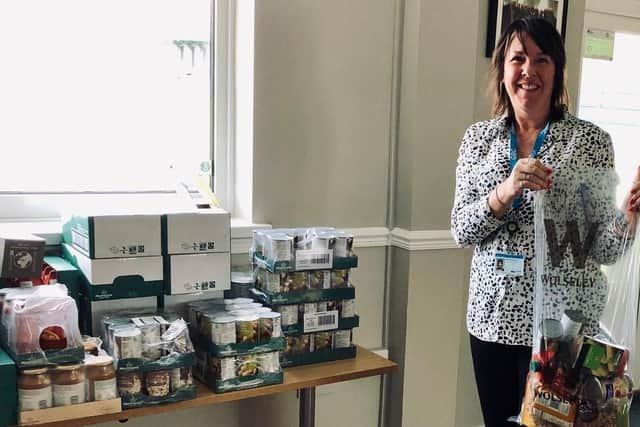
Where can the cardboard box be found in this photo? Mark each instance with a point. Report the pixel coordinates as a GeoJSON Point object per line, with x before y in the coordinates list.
{"type": "Point", "coordinates": [21, 255]}
{"type": "Point", "coordinates": [201, 231]}
{"type": "Point", "coordinates": [8, 391]}
{"type": "Point", "coordinates": [114, 236]}
{"type": "Point", "coordinates": [113, 279]}
{"type": "Point", "coordinates": [71, 412]}
{"type": "Point", "coordinates": [106, 271]}
{"type": "Point", "coordinates": [185, 274]}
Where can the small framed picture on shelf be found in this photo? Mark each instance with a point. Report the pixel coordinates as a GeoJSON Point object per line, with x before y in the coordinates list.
{"type": "Point", "coordinates": [504, 12]}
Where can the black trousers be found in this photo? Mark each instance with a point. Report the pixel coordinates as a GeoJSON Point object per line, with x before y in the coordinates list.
{"type": "Point", "coordinates": [501, 375]}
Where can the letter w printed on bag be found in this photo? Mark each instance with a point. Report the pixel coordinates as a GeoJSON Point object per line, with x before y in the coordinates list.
{"type": "Point", "coordinates": [578, 250]}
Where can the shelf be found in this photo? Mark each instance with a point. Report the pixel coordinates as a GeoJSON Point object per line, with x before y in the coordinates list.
{"type": "Point", "coordinates": [366, 364]}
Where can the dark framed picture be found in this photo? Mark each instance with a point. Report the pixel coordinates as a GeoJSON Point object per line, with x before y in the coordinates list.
{"type": "Point", "coordinates": [504, 12]}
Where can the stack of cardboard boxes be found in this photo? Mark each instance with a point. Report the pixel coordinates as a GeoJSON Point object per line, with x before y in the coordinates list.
{"type": "Point", "coordinates": [147, 256]}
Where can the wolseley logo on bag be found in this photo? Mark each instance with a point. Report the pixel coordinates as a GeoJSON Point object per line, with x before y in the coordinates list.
{"type": "Point", "coordinates": [579, 250]}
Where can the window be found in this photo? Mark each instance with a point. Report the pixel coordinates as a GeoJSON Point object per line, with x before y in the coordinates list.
{"type": "Point", "coordinates": [108, 100]}
{"type": "Point", "coordinates": [609, 98]}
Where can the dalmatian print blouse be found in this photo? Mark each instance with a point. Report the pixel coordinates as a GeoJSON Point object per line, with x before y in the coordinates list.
{"type": "Point", "coordinates": [500, 308]}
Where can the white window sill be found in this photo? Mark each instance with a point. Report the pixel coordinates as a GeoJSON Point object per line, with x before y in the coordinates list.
{"type": "Point", "coordinates": [51, 231]}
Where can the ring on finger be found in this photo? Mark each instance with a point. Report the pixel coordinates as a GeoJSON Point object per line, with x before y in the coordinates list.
{"type": "Point", "coordinates": [522, 183]}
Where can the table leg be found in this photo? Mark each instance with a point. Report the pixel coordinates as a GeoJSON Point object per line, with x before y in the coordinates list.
{"type": "Point", "coordinates": [308, 407]}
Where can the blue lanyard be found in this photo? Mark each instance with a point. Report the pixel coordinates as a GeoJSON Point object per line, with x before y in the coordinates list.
{"type": "Point", "coordinates": [513, 155]}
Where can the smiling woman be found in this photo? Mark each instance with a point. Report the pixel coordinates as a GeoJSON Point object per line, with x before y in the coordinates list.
{"type": "Point", "coordinates": [502, 162]}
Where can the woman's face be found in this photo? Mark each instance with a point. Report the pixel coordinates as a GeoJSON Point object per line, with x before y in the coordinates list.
{"type": "Point", "coordinates": [528, 77]}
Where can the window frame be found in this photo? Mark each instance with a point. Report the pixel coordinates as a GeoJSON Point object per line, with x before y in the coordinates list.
{"type": "Point", "coordinates": [18, 206]}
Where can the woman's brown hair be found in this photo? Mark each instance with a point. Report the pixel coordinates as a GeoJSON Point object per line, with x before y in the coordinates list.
{"type": "Point", "coordinates": [550, 43]}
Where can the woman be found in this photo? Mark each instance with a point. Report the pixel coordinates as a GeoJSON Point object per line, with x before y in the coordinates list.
{"type": "Point", "coordinates": [501, 163]}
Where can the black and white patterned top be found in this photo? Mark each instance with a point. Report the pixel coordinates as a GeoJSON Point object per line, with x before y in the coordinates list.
{"type": "Point", "coordinates": [500, 308]}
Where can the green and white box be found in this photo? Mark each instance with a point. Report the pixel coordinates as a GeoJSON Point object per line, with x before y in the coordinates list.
{"type": "Point", "coordinates": [201, 231]}
{"type": "Point", "coordinates": [185, 274]}
{"type": "Point", "coordinates": [114, 236]}
{"type": "Point", "coordinates": [106, 271]}
{"type": "Point", "coordinates": [21, 255]}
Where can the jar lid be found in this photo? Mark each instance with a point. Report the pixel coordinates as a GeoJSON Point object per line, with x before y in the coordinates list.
{"type": "Point", "coordinates": [71, 367]}
{"type": "Point", "coordinates": [247, 318]}
{"type": "Point", "coordinates": [128, 332]}
{"type": "Point", "coordinates": [241, 277]}
{"type": "Point", "coordinates": [224, 319]}
{"type": "Point", "coordinates": [240, 313]}
{"type": "Point", "coordinates": [237, 301]}
{"type": "Point", "coordinates": [35, 371]}
{"type": "Point", "coordinates": [100, 361]}
{"type": "Point", "coordinates": [270, 315]}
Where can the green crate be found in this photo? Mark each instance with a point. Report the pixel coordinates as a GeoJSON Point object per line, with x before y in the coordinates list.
{"type": "Point", "coordinates": [287, 361]}
{"type": "Point", "coordinates": [139, 400]}
{"type": "Point", "coordinates": [172, 361]}
{"type": "Point", "coordinates": [50, 357]}
{"type": "Point", "coordinates": [254, 381]}
{"type": "Point", "coordinates": [303, 296]}
{"type": "Point", "coordinates": [298, 328]}
{"type": "Point", "coordinates": [338, 263]}
{"type": "Point", "coordinates": [8, 391]}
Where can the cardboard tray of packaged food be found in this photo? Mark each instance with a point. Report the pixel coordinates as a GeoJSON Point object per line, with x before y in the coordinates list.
{"type": "Point", "coordinates": [236, 384]}
{"type": "Point", "coordinates": [226, 350]}
{"type": "Point", "coordinates": [53, 357]}
{"type": "Point", "coordinates": [70, 412]}
{"type": "Point", "coordinates": [295, 264]}
{"type": "Point", "coordinates": [130, 401]}
{"type": "Point", "coordinates": [289, 360]}
{"type": "Point", "coordinates": [171, 361]}
{"type": "Point", "coordinates": [343, 323]}
{"type": "Point", "coordinates": [303, 296]}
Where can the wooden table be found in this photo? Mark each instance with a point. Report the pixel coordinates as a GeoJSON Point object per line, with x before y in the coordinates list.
{"type": "Point", "coordinates": [303, 378]}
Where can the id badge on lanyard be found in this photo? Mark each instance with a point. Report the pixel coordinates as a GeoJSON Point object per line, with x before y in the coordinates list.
{"type": "Point", "coordinates": [513, 154]}
{"type": "Point", "coordinates": [513, 264]}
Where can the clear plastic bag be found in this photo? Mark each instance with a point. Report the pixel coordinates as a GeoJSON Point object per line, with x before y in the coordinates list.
{"type": "Point", "coordinates": [619, 320]}
{"type": "Point", "coordinates": [578, 371]}
{"type": "Point", "coordinates": [39, 322]}
{"type": "Point", "coordinates": [149, 337]}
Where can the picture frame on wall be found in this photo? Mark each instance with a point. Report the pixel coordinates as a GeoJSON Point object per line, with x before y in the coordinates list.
{"type": "Point", "coordinates": [504, 12]}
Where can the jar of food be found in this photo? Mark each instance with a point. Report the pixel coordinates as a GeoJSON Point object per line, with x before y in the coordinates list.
{"type": "Point", "coordinates": [269, 362]}
{"type": "Point", "coordinates": [68, 385]}
{"type": "Point", "coordinates": [247, 328]}
{"type": "Point", "coordinates": [157, 383]}
{"type": "Point", "coordinates": [223, 330]}
{"type": "Point", "coordinates": [101, 379]}
{"type": "Point", "coordinates": [246, 365]}
{"type": "Point", "coordinates": [289, 314]}
{"type": "Point", "coordinates": [342, 339]}
{"type": "Point", "coordinates": [129, 382]}
{"type": "Point", "coordinates": [128, 343]}
{"type": "Point", "coordinates": [34, 389]}
{"type": "Point", "coordinates": [270, 325]}
{"type": "Point", "coordinates": [181, 377]}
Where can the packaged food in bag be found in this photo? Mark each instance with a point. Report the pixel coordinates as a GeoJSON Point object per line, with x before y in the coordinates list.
{"type": "Point", "coordinates": [40, 321]}
{"type": "Point", "coordinates": [577, 373]}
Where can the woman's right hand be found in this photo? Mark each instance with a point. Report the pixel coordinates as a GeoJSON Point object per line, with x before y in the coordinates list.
{"type": "Point", "coordinates": [528, 173]}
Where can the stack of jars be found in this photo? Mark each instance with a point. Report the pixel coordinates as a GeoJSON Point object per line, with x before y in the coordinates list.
{"type": "Point", "coordinates": [154, 356]}
{"type": "Point", "coordinates": [68, 384]}
{"type": "Point", "coordinates": [237, 340]}
{"type": "Point", "coordinates": [304, 274]}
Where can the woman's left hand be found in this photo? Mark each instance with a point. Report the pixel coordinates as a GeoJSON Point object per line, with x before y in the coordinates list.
{"type": "Point", "coordinates": [631, 204]}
